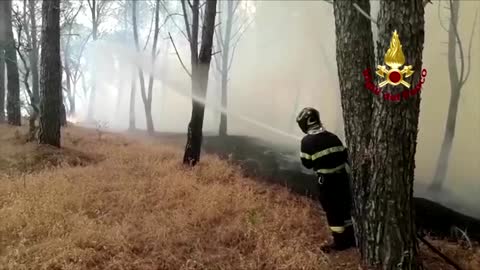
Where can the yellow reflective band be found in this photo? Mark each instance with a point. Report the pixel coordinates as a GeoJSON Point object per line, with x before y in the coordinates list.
{"type": "Point", "coordinates": [322, 153]}
{"type": "Point", "coordinates": [333, 170]}
{"type": "Point", "coordinates": [337, 229]}
{"type": "Point", "coordinates": [304, 155]}
{"type": "Point", "coordinates": [349, 170]}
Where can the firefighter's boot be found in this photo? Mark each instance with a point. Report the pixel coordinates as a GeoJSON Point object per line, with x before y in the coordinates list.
{"type": "Point", "coordinates": [341, 241]}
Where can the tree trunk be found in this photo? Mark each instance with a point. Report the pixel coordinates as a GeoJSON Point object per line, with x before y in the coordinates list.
{"type": "Point", "coordinates": [225, 67]}
{"type": "Point", "coordinates": [51, 75]}
{"type": "Point", "coordinates": [455, 88]}
{"type": "Point", "coordinates": [93, 88]}
{"type": "Point", "coordinates": [34, 56]}
{"type": "Point", "coordinates": [200, 72]}
{"type": "Point", "coordinates": [163, 91]}
{"type": "Point", "coordinates": [131, 122]}
{"type": "Point", "coordinates": [13, 83]}
{"type": "Point", "coordinates": [355, 53]}
{"type": "Point", "coordinates": [147, 100]}
{"type": "Point", "coordinates": [391, 226]}
{"type": "Point", "coordinates": [68, 75]}
{"type": "Point", "coordinates": [2, 83]}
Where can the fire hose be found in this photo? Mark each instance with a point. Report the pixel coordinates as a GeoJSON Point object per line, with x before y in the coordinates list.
{"type": "Point", "coordinates": [438, 252]}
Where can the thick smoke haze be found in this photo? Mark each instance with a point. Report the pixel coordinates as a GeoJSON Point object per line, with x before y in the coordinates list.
{"type": "Point", "coordinates": [286, 61]}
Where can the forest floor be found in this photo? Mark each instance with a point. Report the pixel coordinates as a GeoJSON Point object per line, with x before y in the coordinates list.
{"type": "Point", "coordinates": [112, 201]}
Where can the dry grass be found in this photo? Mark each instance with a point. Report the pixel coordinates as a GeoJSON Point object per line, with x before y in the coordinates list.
{"type": "Point", "coordinates": [139, 209]}
{"type": "Point", "coordinates": [115, 203]}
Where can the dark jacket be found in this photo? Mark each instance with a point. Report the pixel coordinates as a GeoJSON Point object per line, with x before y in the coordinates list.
{"type": "Point", "coordinates": [323, 152]}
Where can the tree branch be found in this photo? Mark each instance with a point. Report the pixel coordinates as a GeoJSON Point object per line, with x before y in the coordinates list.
{"type": "Point", "coordinates": [178, 56]}
{"type": "Point", "coordinates": [236, 6]}
{"type": "Point", "coordinates": [454, 17]}
{"type": "Point", "coordinates": [149, 34]}
{"type": "Point", "coordinates": [440, 17]}
{"type": "Point", "coordinates": [240, 31]}
{"type": "Point", "coordinates": [185, 17]}
{"type": "Point", "coordinates": [365, 14]}
{"type": "Point", "coordinates": [187, 36]}
{"type": "Point", "coordinates": [168, 17]}
{"type": "Point", "coordinates": [233, 55]}
{"type": "Point", "coordinates": [469, 57]}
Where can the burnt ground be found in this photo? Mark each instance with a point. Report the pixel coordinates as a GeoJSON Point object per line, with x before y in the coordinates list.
{"type": "Point", "coordinates": [280, 165]}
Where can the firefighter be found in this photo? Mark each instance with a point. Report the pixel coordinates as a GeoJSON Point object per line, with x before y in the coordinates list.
{"type": "Point", "coordinates": [323, 152]}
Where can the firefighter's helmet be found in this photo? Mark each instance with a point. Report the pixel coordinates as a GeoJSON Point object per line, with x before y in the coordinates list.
{"type": "Point", "coordinates": [309, 119]}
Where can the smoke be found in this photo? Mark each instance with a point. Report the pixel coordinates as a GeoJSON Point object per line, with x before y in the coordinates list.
{"type": "Point", "coordinates": [286, 61]}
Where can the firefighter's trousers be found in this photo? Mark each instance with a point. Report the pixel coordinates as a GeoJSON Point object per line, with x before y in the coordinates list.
{"type": "Point", "coordinates": [336, 200]}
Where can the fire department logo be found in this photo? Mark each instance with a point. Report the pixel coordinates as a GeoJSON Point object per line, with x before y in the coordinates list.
{"type": "Point", "coordinates": [395, 73]}
{"type": "Point", "coordinates": [394, 58]}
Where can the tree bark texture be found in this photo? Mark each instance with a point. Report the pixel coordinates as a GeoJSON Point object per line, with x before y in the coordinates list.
{"type": "Point", "coordinates": [200, 70]}
{"type": "Point", "coordinates": [455, 88]}
{"type": "Point", "coordinates": [51, 75]}
{"type": "Point", "coordinates": [2, 83]}
{"type": "Point", "coordinates": [355, 53]}
{"type": "Point", "coordinates": [13, 80]}
{"type": "Point", "coordinates": [390, 230]}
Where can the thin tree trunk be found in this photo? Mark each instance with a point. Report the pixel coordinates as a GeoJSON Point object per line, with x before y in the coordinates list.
{"type": "Point", "coordinates": [146, 100]}
{"type": "Point", "coordinates": [2, 83]}
{"type": "Point", "coordinates": [131, 122]}
{"type": "Point", "coordinates": [68, 75]}
{"type": "Point", "coordinates": [200, 72]}
{"type": "Point", "coordinates": [93, 87]}
{"type": "Point", "coordinates": [34, 53]}
{"type": "Point", "coordinates": [391, 226]}
{"type": "Point", "coordinates": [225, 66]}
{"type": "Point", "coordinates": [33, 59]}
{"type": "Point", "coordinates": [455, 87]}
{"type": "Point", "coordinates": [355, 53]}
{"type": "Point", "coordinates": [163, 91]}
{"type": "Point", "coordinates": [13, 83]}
{"type": "Point", "coordinates": [51, 75]}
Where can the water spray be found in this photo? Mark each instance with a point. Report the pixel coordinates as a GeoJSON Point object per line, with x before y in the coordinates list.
{"type": "Point", "coordinates": [139, 60]}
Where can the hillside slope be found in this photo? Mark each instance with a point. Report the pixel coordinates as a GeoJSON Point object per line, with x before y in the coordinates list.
{"type": "Point", "coordinates": [109, 202]}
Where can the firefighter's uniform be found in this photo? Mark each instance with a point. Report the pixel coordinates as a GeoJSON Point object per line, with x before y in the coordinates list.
{"type": "Point", "coordinates": [323, 152]}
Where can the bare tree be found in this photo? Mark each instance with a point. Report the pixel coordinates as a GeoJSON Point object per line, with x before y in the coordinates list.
{"type": "Point", "coordinates": [27, 49]}
{"type": "Point", "coordinates": [458, 77]}
{"type": "Point", "coordinates": [200, 63]}
{"type": "Point", "coordinates": [147, 97]}
{"type": "Point", "coordinates": [70, 14]}
{"type": "Point", "coordinates": [51, 75]}
{"type": "Point", "coordinates": [10, 56]}
{"type": "Point", "coordinates": [227, 37]}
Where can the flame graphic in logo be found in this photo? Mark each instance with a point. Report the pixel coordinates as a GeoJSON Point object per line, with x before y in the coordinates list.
{"type": "Point", "coordinates": [394, 58]}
